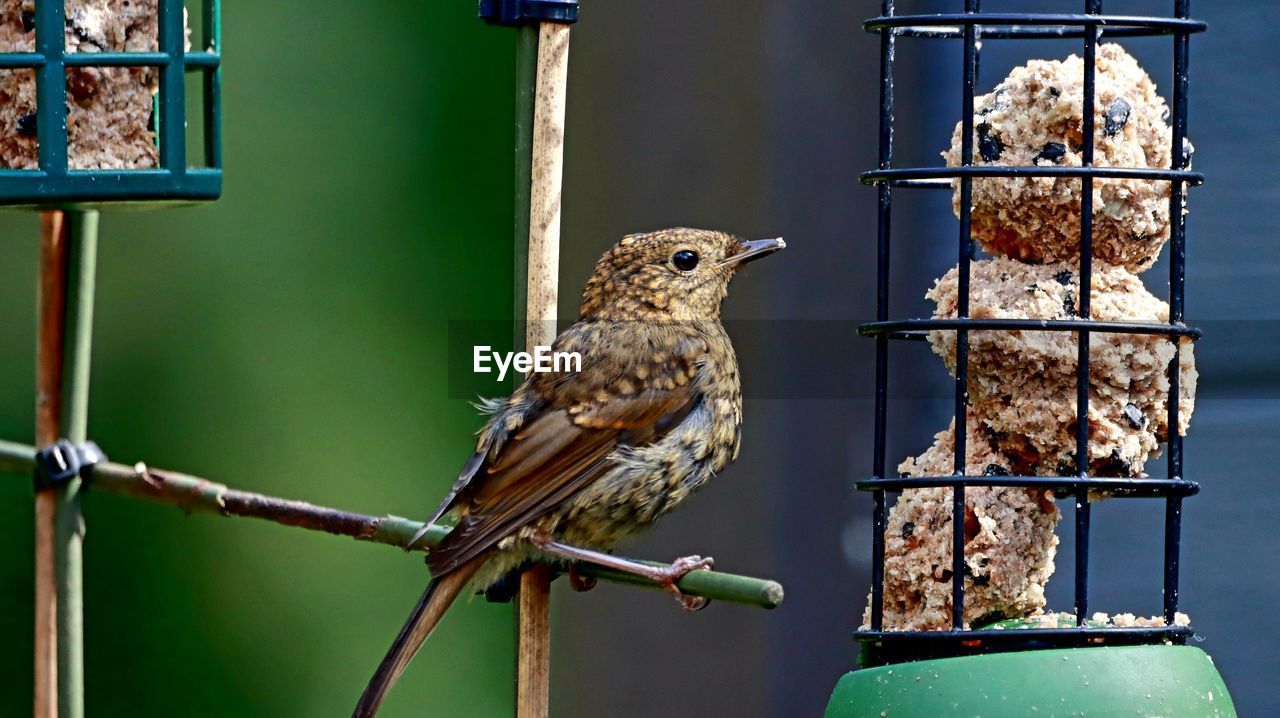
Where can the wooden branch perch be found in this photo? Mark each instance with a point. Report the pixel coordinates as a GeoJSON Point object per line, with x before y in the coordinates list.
{"type": "Point", "coordinates": [196, 495]}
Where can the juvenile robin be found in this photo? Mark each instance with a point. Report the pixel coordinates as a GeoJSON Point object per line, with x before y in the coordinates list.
{"type": "Point", "coordinates": [572, 462]}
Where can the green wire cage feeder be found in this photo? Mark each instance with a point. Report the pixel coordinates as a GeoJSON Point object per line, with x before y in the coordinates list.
{"type": "Point", "coordinates": [93, 114]}
{"type": "Point", "coordinates": [54, 181]}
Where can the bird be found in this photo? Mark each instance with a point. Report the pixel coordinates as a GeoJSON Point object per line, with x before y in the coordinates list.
{"type": "Point", "coordinates": [574, 461]}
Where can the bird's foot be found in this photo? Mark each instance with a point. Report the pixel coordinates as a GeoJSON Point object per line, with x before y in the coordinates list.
{"type": "Point", "coordinates": [665, 576]}
{"type": "Point", "coordinates": [578, 582]}
{"type": "Point", "coordinates": [669, 576]}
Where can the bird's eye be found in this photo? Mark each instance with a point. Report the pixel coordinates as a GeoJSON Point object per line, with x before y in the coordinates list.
{"type": "Point", "coordinates": [685, 260]}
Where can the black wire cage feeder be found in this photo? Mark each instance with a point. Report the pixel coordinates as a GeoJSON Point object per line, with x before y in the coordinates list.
{"type": "Point", "coordinates": [886, 649]}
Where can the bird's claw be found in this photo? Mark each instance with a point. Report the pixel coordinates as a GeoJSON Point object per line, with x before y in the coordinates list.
{"type": "Point", "coordinates": [578, 582]}
{"type": "Point", "coordinates": [678, 569]}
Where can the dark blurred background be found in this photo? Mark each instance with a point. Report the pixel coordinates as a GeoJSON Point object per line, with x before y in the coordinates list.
{"type": "Point", "coordinates": [291, 339]}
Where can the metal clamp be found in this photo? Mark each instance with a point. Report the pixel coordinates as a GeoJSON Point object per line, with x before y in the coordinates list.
{"type": "Point", "coordinates": [514, 13]}
{"type": "Point", "coordinates": [63, 461]}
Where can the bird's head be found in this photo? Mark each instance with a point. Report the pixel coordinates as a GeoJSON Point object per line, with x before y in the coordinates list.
{"type": "Point", "coordinates": [671, 274]}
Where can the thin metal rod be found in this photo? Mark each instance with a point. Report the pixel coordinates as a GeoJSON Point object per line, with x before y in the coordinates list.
{"type": "Point", "coordinates": [883, 234]}
{"type": "Point", "coordinates": [1114, 487]}
{"type": "Point", "coordinates": [899, 176]}
{"type": "Point", "coordinates": [1177, 245]}
{"type": "Point", "coordinates": [51, 89]}
{"type": "Point", "coordinates": [1029, 25]}
{"type": "Point", "coordinates": [29, 60]}
{"type": "Point", "coordinates": [194, 494]}
{"type": "Point", "coordinates": [962, 311]}
{"type": "Point", "coordinates": [173, 89]}
{"type": "Point", "coordinates": [1177, 262]}
{"type": "Point", "coordinates": [526, 79]}
{"type": "Point", "coordinates": [211, 20]}
{"type": "Point", "coordinates": [877, 560]}
{"type": "Point", "coordinates": [887, 647]}
{"type": "Point", "coordinates": [82, 260]}
{"type": "Point", "coordinates": [68, 258]}
{"type": "Point", "coordinates": [1172, 560]}
{"type": "Point", "coordinates": [1083, 509]}
{"type": "Point", "coordinates": [901, 328]}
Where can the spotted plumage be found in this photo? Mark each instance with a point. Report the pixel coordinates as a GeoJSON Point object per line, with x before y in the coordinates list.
{"type": "Point", "coordinates": [588, 457]}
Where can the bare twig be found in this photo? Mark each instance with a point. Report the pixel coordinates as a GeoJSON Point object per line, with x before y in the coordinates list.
{"type": "Point", "coordinates": [196, 495]}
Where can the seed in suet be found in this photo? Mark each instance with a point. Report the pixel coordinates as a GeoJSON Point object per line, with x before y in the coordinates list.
{"type": "Point", "coordinates": [1117, 117]}
{"type": "Point", "coordinates": [27, 125]}
{"type": "Point", "coordinates": [1052, 151]}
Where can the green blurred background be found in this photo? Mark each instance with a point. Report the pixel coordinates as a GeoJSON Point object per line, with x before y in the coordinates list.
{"type": "Point", "coordinates": [291, 338]}
{"type": "Point", "coordinates": [288, 339]}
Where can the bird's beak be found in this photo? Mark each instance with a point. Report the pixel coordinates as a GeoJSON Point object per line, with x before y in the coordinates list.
{"type": "Point", "coordinates": [754, 249]}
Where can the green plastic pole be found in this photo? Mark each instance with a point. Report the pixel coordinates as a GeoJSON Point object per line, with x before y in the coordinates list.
{"type": "Point", "coordinates": [69, 527]}
{"type": "Point", "coordinates": [526, 79]}
{"type": "Point", "coordinates": [68, 255]}
{"type": "Point", "coordinates": [82, 251]}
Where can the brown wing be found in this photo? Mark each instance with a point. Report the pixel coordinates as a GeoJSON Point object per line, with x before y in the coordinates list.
{"type": "Point", "coordinates": [465, 476]}
{"type": "Point", "coordinates": [554, 455]}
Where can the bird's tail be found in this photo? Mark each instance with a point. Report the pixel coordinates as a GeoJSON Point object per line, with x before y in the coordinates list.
{"type": "Point", "coordinates": [440, 594]}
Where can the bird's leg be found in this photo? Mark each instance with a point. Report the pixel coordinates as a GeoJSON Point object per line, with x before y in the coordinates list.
{"type": "Point", "coordinates": [578, 582]}
{"type": "Point", "coordinates": [665, 576]}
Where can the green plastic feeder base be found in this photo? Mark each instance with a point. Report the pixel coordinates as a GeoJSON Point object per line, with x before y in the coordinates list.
{"type": "Point", "coordinates": [1169, 681]}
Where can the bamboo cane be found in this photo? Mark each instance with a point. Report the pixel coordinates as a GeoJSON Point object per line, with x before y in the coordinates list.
{"type": "Point", "coordinates": [533, 654]}
{"type": "Point", "coordinates": [51, 298]}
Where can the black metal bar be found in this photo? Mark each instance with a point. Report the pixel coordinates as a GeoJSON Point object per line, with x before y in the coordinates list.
{"type": "Point", "coordinates": [1083, 510]}
{"type": "Point", "coordinates": [1038, 32]}
{"type": "Point", "coordinates": [1119, 487]}
{"type": "Point", "coordinates": [1172, 561]}
{"type": "Point", "coordinates": [883, 647]}
{"type": "Point", "coordinates": [907, 173]}
{"type": "Point", "coordinates": [922, 327]}
{"type": "Point", "coordinates": [518, 13]}
{"type": "Point", "coordinates": [883, 232]}
{"type": "Point", "coordinates": [948, 25]}
{"type": "Point", "coordinates": [877, 561]}
{"type": "Point", "coordinates": [1014, 634]}
{"type": "Point", "coordinates": [965, 254]}
{"type": "Point", "coordinates": [979, 32]}
{"type": "Point", "coordinates": [1177, 262]}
